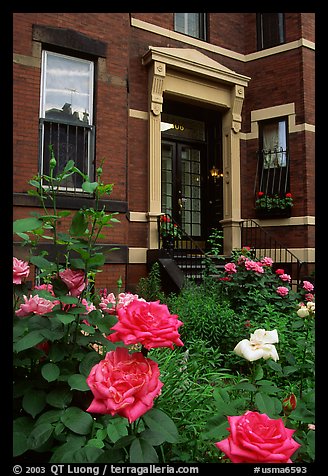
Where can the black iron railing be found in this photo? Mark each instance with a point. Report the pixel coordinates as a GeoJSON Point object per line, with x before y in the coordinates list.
{"type": "Point", "coordinates": [272, 172]}
{"type": "Point", "coordinates": [181, 247]}
{"type": "Point", "coordinates": [263, 244]}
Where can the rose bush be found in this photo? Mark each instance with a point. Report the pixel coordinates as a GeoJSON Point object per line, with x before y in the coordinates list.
{"type": "Point", "coordinates": [78, 397]}
{"type": "Point", "coordinates": [256, 438]}
{"type": "Point", "coordinates": [124, 384]}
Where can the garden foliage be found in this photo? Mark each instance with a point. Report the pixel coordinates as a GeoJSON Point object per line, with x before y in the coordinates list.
{"type": "Point", "coordinates": [75, 399]}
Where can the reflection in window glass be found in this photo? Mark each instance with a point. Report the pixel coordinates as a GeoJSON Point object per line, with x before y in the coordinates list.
{"type": "Point", "coordinates": [67, 88]}
{"type": "Point", "coordinates": [192, 24]}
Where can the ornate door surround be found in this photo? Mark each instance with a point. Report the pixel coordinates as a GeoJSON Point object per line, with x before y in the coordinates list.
{"type": "Point", "coordinates": [188, 74]}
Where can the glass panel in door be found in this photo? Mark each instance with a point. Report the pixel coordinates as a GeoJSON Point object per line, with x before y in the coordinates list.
{"type": "Point", "coordinates": [190, 192]}
{"type": "Point", "coordinates": [168, 153]}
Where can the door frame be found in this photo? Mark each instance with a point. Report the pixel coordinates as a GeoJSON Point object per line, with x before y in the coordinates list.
{"type": "Point", "coordinates": [191, 75]}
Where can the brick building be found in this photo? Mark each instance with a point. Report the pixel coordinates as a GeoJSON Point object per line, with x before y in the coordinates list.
{"type": "Point", "coordinates": [196, 115]}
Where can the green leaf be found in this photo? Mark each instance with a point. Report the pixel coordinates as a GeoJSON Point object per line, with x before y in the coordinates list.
{"type": "Point", "coordinates": [50, 416]}
{"type": "Point", "coordinates": [113, 455]}
{"type": "Point", "coordinates": [78, 382]}
{"type": "Point", "coordinates": [29, 340]}
{"type": "Point", "coordinates": [245, 386]}
{"type": "Point", "coordinates": [274, 366]}
{"type": "Point", "coordinates": [42, 263]}
{"type": "Point", "coordinates": [96, 260]}
{"type": "Point", "coordinates": [77, 263]}
{"type": "Point", "coordinates": [157, 420]}
{"type": "Point", "coordinates": [142, 452]}
{"type": "Point", "coordinates": [64, 317]}
{"type": "Point", "coordinates": [59, 397]}
{"type": "Point", "coordinates": [89, 187]}
{"type": "Point", "coordinates": [258, 374]}
{"type": "Point", "coordinates": [95, 443]}
{"type": "Point", "coordinates": [117, 428]}
{"type": "Point", "coordinates": [34, 402]}
{"type": "Point", "coordinates": [216, 428]}
{"type": "Point", "coordinates": [86, 364]}
{"type": "Point", "coordinates": [88, 454]}
{"type": "Point", "coordinates": [289, 369]}
{"type": "Point", "coordinates": [265, 404]}
{"type": "Point", "coordinates": [26, 224]}
{"type": "Point", "coordinates": [39, 435]}
{"type": "Point", "coordinates": [50, 372]}
{"type": "Point", "coordinates": [69, 299]}
{"type": "Point", "coordinates": [19, 443]}
{"type": "Point", "coordinates": [77, 420]}
{"type": "Point", "coordinates": [154, 438]}
{"type": "Point", "coordinates": [79, 224]}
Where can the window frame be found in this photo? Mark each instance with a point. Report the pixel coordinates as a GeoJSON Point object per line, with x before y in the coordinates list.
{"type": "Point", "coordinates": [202, 26]}
{"type": "Point", "coordinates": [276, 177]}
{"type": "Point", "coordinates": [87, 128]}
{"type": "Point", "coordinates": [264, 40]}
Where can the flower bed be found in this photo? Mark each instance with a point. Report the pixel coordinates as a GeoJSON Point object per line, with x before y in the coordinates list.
{"type": "Point", "coordinates": [96, 372]}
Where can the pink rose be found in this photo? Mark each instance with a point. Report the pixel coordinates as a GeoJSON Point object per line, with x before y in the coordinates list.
{"type": "Point", "coordinates": [285, 277]}
{"type": "Point", "coordinates": [251, 265]}
{"type": "Point", "coordinates": [309, 297]}
{"type": "Point", "coordinates": [123, 300]}
{"type": "Point", "coordinates": [146, 323]}
{"type": "Point", "coordinates": [21, 270]}
{"type": "Point", "coordinates": [282, 291]}
{"type": "Point", "coordinates": [74, 280]}
{"type": "Point", "coordinates": [266, 261]}
{"type": "Point", "coordinates": [308, 286]}
{"type": "Point", "coordinates": [256, 438]}
{"type": "Point", "coordinates": [230, 268]}
{"type": "Point", "coordinates": [124, 384]}
{"type": "Point", "coordinates": [46, 287]}
{"type": "Point", "coordinates": [35, 305]}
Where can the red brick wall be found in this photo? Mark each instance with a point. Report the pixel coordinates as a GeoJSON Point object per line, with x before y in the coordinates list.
{"type": "Point", "coordinates": [123, 141]}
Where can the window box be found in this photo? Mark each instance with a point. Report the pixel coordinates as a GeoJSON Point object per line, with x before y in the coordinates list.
{"type": "Point", "coordinates": [268, 213]}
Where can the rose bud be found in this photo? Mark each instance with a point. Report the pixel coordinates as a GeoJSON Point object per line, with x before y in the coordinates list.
{"type": "Point", "coordinates": [289, 404]}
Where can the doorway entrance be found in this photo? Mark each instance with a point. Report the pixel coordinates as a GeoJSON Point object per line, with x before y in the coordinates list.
{"type": "Point", "coordinates": [190, 149]}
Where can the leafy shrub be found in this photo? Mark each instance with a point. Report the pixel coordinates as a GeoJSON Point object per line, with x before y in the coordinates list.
{"type": "Point", "coordinates": [205, 317]}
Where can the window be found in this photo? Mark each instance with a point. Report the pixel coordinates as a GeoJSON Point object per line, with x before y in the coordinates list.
{"type": "Point", "coordinates": [270, 30]}
{"type": "Point", "coordinates": [192, 24]}
{"type": "Point", "coordinates": [66, 114]}
{"type": "Point", "coordinates": [273, 157]}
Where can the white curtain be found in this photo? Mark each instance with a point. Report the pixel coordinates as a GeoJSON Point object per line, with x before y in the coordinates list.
{"type": "Point", "coordinates": [274, 145]}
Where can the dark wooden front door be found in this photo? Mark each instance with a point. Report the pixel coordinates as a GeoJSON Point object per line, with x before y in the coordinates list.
{"type": "Point", "coordinates": [183, 186]}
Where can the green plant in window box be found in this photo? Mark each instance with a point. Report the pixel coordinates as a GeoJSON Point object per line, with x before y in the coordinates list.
{"type": "Point", "coordinates": [273, 202]}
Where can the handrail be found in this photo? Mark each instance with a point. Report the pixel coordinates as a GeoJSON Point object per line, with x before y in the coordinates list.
{"type": "Point", "coordinates": [264, 244]}
{"type": "Point", "coordinates": [181, 247]}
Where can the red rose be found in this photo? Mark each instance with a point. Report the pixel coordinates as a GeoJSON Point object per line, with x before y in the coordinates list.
{"type": "Point", "coordinates": [146, 323]}
{"type": "Point", "coordinates": [260, 194]}
{"type": "Point", "coordinates": [288, 195]}
{"type": "Point", "coordinates": [280, 271]}
{"type": "Point", "coordinates": [256, 438]}
{"type": "Point", "coordinates": [124, 384]}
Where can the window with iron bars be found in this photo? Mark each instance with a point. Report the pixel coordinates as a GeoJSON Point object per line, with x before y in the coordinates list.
{"type": "Point", "coordinates": [66, 116]}
{"type": "Point", "coordinates": [273, 161]}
